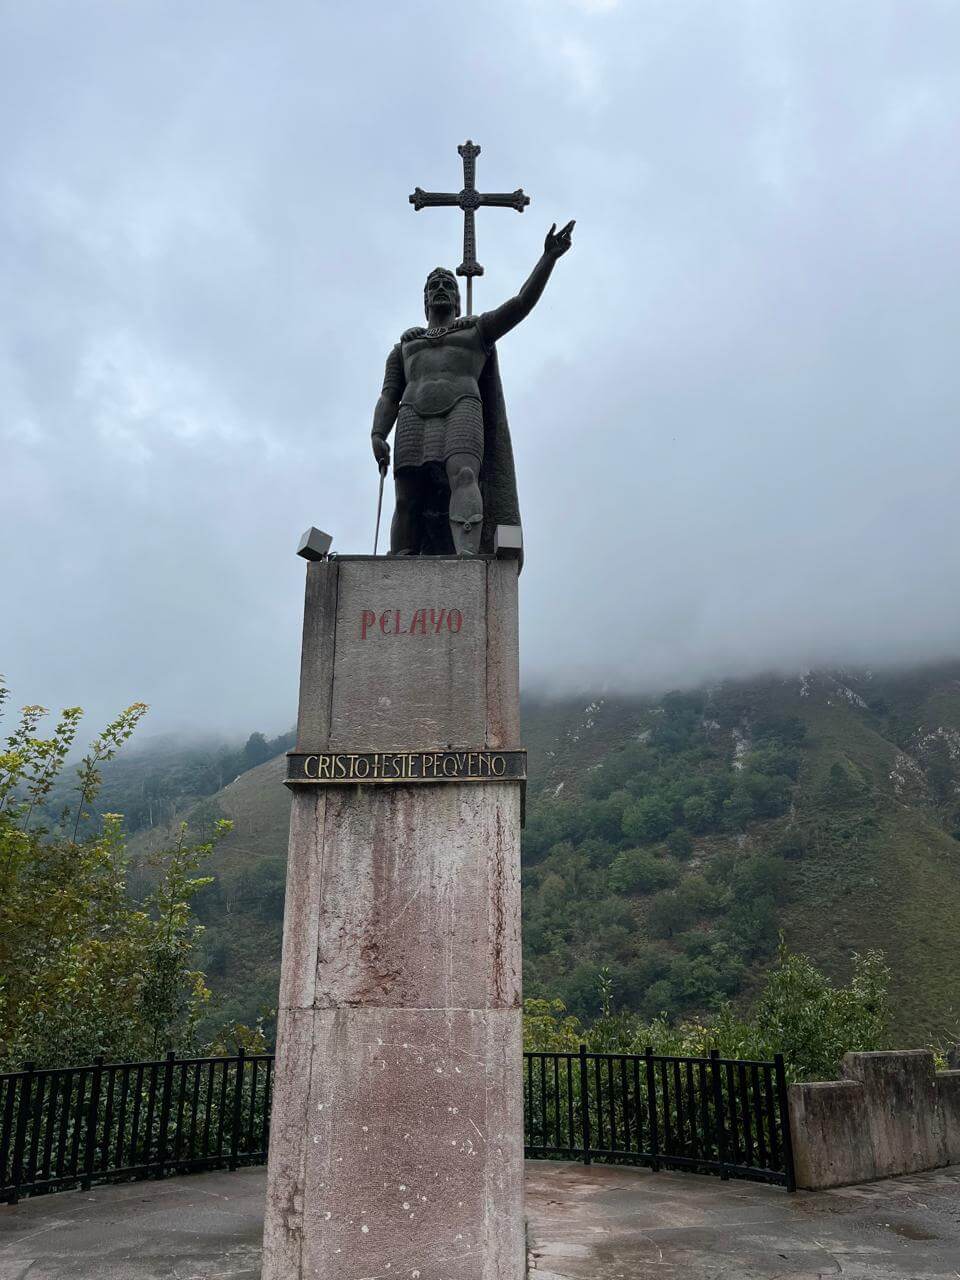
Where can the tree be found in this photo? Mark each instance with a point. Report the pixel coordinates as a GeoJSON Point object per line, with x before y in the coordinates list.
{"type": "Point", "coordinates": [255, 751]}
{"type": "Point", "coordinates": [548, 1028]}
{"type": "Point", "coordinates": [674, 910]}
{"type": "Point", "coordinates": [173, 993]}
{"type": "Point", "coordinates": [640, 871]}
{"type": "Point", "coordinates": [799, 1013]}
{"type": "Point", "coordinates": [698, 814]}
{"type": "Point", "coordinates": [679, 844]}
{"type": "Point", "coordinates": [649, 819]}
{"type": "Point", "coordinates": [83, 969]}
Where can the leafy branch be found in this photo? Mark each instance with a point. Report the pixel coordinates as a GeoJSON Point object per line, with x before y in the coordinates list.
{"type": "Point", "coordinates": [104, 748]}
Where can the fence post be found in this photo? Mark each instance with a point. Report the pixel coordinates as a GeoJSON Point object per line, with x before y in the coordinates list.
{"type": "Point", "coordinates": [653, 1121]}
{"type": "Point", "coordinates": [165, 1102]}
{"type": "Point", "coordinates": [93, 1116]}
{"type": "Point", "coordinates": [20, 1137]}
{"type": "Point", "coordinates": [783, 1100]}
{"type": "Point", "coordinates": [585, 1104]}
{"type": "Point", "coordinates": [6, 1136]}
{"type": "Point", "coordinates": [237, 1110]}
{"type": "Point", "coordinates": [718, 1112]}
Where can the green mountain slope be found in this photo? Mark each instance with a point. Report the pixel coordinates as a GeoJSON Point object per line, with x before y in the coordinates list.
{"type": "Point", "coordinates": [671, 839]}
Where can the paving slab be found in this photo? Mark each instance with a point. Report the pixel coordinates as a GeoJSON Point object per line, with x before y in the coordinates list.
{"type": "Point", "coordinates": [190, 1228]}
{"type": "Point", "coordinates": [608, 1223]}
{"type": "Point", "coordinates": [596, 1223]}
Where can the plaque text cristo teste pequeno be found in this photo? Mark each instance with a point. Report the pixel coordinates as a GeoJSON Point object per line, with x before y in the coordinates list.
{"type": "Point", "coordinates": [341, 768]}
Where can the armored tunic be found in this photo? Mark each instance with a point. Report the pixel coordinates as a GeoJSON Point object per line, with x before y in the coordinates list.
{"type": "Point", "coordinates": [435, 377]}
{"type": "Point", "coordinates": [437, 412]}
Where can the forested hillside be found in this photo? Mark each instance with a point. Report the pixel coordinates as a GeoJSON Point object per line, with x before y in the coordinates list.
{"type": "Point", "coordinates": [670, 841]}
{"type": "Point", "coordinates": [151, 783]}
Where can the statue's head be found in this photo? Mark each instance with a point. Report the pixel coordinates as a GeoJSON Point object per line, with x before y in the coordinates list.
{"type": "Point", "coordinates": [441, 290]}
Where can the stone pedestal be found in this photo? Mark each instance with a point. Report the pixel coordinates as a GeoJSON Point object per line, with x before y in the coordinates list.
{"type": "Point", "coordinates": [396, 1145]}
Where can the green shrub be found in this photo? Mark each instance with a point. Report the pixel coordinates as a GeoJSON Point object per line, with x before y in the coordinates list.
{"type": "Point", "coordinates": [799, 1012]}
{"type": "Point", "coordinates": [677, 909]}
{"type": "Point", "coordinates": [649, 819]}
{"type": "Point", "coordinates": [84, 970]}
{"type": "Point", "coordinates": [679, 844]}
{"type": "Point", "coordinates": [640, 871]}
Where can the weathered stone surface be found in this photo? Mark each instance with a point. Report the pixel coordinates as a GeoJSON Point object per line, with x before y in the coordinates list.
{"type": "Point", "coordinates": [413, 681]}
{"type": "Point", "coordinates": [828, 1121]}
{"type": "Point", "coordinates": [891, 1115]}
{"type": "Point", "coordinates": [397, 1142]}
{"type": "Point", "coordinates": [316, 655]}
{"type": "Point", "coordinates": [503, 656]}
{"type": "Point", "coordinates": [420, 898]}
{"type": "Point", "coordinates": [948, 1107]}
{"type": "Point", "coordinates": [303, 901]}
{"type": "Point", "coordinates": [384, 675]}
{"type": "Point", "coordinates": [417, 1148]}
{"type": "Point", "coordinates": [289, 1140]}
{"type": "Point", "coordinates": [900, 1100]}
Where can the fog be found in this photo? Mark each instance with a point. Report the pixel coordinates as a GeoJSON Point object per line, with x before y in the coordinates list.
{"type": "Point", "coordinates": [734, 411]}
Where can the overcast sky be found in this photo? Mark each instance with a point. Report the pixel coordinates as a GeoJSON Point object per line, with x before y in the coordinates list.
{"type": "Point", "coordinates": [735, 410]}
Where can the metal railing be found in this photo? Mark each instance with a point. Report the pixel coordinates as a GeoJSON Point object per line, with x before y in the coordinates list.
{"type": "Point", "coordinates": [710, 1115]}
{"type": "Point", "coordinates": [64, 1127]}
{"type": "Point", "coordinates": [74, 1126]}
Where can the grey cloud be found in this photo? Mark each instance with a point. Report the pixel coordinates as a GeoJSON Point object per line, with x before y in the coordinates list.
{"type": "Point", "coordinates": [734, 411]}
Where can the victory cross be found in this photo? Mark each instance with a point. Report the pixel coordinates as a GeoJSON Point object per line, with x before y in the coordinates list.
{"type": "Point", "coordinates": [452, 457]}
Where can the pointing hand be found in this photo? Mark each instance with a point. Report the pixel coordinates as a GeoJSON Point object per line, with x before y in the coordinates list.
{"type": "Point", "coordinates": [558, 242]}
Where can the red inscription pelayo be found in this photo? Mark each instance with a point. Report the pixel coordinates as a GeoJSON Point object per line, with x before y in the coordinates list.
{"type": "Point", "coordinates": [421, 622]}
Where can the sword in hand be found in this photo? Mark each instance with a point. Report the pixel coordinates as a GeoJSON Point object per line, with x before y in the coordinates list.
{"type": "Point", "coordinates": [383, 476]}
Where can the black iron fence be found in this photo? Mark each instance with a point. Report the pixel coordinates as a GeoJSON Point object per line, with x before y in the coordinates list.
{"type": "Point", "coordinates": [74, 1126]}
{"type": "Point", "coordinates": [709, 1115]}
{"type": "Point", "coordinates": [69, 1127]}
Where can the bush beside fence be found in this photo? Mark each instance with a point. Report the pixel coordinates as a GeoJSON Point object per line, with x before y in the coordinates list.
{"type": "Point", "coordinates": [709, 1115]}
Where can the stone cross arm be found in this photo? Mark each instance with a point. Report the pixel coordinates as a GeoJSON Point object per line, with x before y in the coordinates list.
{"type": "Point", "coordinates": [421, 199]}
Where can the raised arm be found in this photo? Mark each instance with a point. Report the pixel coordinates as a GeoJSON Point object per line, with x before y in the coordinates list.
{"type": "Point", "coordinates": [496, 323]}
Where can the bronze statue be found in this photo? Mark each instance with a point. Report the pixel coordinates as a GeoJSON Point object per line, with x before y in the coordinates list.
{"type": "Point", "coordinates": [442, 389]}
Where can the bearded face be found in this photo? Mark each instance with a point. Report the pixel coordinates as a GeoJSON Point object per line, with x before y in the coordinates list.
{"type": "Point", "coordinates": [441, 292]}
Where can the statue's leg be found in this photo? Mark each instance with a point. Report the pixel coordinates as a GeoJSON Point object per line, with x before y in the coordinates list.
{"type": "Point", "coordinates": [466, 503]}
{"type": "Point", "coordinates": [405, 528]}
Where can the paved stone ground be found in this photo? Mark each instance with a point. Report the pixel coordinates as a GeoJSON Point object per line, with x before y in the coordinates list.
{"type": "Point", "coordinates": [629, 1224]}
{"type": "Point", "coordinates": [585, 1224]}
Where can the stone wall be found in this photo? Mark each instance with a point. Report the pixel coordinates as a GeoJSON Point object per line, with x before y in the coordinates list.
{"type": "Point", "coordinates": [891, 1113]}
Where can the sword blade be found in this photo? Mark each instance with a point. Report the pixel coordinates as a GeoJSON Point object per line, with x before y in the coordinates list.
{"type": "Point", "coordinates": [376, 532]}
